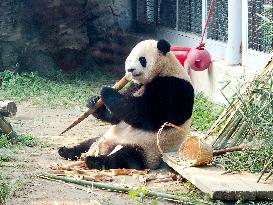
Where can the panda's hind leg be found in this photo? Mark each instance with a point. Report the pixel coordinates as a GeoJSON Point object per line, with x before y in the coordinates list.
{"type": "Point", "coordinates": [128, 157]}
{"type": "Point", "coordinates": [75, 152]}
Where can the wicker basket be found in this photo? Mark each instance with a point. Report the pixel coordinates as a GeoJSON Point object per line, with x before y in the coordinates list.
{"type": "Point", "coordinates": [193, 151]}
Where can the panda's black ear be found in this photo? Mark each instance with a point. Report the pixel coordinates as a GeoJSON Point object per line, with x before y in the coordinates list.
{"type": "Point", "coordinates": [163, 46]}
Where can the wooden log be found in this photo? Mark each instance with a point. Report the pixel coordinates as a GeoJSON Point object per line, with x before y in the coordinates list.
{"type": "Point", "coordinates": [7, 129]}
{"type": "Point", "coordinates": [8, 108]}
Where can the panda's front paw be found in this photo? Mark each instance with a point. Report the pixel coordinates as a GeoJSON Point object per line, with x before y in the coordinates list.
{"type": "Point", "coordinates": [109, 94]}
{"type": "Point", "coordinates": [91, 102]}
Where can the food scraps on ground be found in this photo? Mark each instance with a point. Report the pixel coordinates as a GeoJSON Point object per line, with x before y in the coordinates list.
{"type": "Point", "coordinates": [80, 171]}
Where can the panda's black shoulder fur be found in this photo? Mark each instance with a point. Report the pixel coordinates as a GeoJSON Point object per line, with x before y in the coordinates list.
{"type": "Point", "coordinates": [165, 99]}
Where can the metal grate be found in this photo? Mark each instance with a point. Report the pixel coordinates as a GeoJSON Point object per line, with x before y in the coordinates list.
{"type": "Point", "coordinates": [151, 11]}
{"type": "Point", "coordinates": [167, 13]}
{"type": "Point", "coordinates": [190, 16]}
{"type": "Point", "coordinates": [146, 11]}
{"type": "Point", "coordinates": [258, 39]}
{"type": "Point", "coordinates": [141, 11]}
{"type": "Point", "coordinates": [218, 22]}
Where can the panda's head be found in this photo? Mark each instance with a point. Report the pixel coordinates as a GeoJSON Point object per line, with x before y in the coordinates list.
{"type": "Point", "coordinates": [149, 59]}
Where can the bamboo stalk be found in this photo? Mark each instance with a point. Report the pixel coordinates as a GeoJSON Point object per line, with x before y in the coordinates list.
{"type": "Point", "coordinates": [265, 167]}
{"type": "Point", "coordinates": [269, 175]}
{"type": "Point", "coordinates": [227, 133]}
{"type": "Point", "coordinates": [229, 111]}
{"type": "Point", "coordinates": [112, 187]}
{"type": "Point", "coordinates": [236, 138]}
{"type": "Point", "coordinates": [119, 85]}
{"type": "Point", "coordinates": [226, 150]}
{"type": "Point", "coordinates": [226, 125]}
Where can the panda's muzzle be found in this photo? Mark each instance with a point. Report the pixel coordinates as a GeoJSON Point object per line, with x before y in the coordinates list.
{"type": "Point", "coordinates": [134, 73]}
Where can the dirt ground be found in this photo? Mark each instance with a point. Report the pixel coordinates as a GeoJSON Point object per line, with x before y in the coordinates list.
{"type": "Point", "coordinates": [47, 124]}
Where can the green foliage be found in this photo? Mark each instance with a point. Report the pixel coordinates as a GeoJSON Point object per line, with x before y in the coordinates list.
{"type": "Point", "coordinates": [4, 189]}
{"type": "Point", "coordinates": [7, 189]}
{"type": "Point", "coordinates": [138, 195]}
{"type": "Point", "coordinates": [5, 158]}
{"type": "Point", "coordinates": [256, 109]}
{"type": "Point", "coordinates": [4, 142]}
{"type": "Point", "coordinates": [24, 139]}
{"type": "Point", "coordinates": [194, 196]}
{"type": "Point", "coordinates": [27, 140]}
{"type": "Point", "coordinates": [57, 90]}
{"type": "Point", "coordinates": [8, 147]}
{"type": "Point", "coordinates": [204, 112]}
{"type": "Point", "coordinates": [252, 160]}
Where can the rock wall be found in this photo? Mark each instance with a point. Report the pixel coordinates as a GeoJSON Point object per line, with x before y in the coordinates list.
{"type": "Point", "coordinates": [68, 34]}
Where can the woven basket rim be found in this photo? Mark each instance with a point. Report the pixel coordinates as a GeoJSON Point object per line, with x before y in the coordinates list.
{"type": "Point", "coordinates": [185, 162]}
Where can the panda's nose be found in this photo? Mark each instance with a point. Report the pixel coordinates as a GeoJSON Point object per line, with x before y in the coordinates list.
{"type": "Point", "coordinates": [131, 70]}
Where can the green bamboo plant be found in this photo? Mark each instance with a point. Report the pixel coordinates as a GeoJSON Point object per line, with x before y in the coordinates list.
{"type": "Point", "coordinates": [248, 121]}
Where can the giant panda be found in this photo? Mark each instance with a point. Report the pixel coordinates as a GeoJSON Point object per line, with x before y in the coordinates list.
{"type": "Point", "coordinates": [161, 92]}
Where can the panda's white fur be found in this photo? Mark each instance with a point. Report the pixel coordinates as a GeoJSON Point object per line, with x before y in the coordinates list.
{"type": "Point", "coordinates": [123, 133]}
{"type": "Point", "coordinates": [158, 64]}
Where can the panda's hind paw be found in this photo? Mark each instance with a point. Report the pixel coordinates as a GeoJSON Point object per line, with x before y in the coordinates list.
{"type": "Point", "coordinates": [96, 162]}
{"type": "Point", "coordinates": [68, 153]}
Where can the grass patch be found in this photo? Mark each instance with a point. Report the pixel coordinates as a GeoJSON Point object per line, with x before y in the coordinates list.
{"type": "Point", "coordinates": [5, 189]}
{"type": "Point", "coordinates": [7, 160]}
{"type": "Point", "coordinates": [5, 157]}
{"type": "Point", "coordinates": [204, 113]}
{"type": "Point", "coordinates": [4, 142]}
{"type": "Point", "coordinates": [57, 90]}
{"type": "Point", "coordinates": [8, 149]}
{"type": "Point", "coordinates": [27, 140]}
{"type": "Point", "coordinates": [22, 139]}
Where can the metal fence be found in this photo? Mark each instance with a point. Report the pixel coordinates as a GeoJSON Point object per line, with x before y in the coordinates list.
{"type": "Point", "coordinates": [186, 16]}
{"type": "Point", "coordinates": [218, 22]}
{"type": "Point", "coordinates": [258, 39]}
{"type": "Point", "coordinates": [141, 11]}
{"type": "Point", "coordinates": [167, 13]}
{"type": "Point", "coordinates": [190, 16]}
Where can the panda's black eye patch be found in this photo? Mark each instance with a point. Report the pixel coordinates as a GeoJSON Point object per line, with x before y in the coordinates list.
{"type": "Point", "coordinates": [142, 61]}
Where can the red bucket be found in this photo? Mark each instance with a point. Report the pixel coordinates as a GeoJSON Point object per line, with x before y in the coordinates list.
{"type": "Point", "coordinates": [180, 53]}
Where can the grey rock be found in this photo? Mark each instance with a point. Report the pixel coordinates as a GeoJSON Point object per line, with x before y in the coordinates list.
{"type": "Point", "coordinates": [41, 35]}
